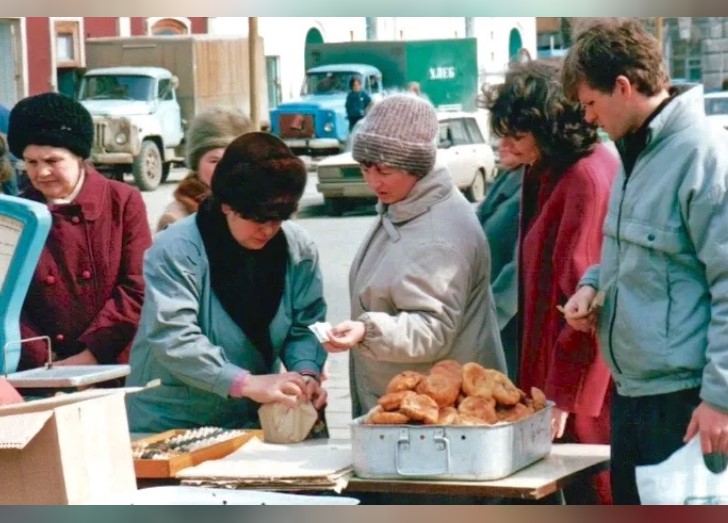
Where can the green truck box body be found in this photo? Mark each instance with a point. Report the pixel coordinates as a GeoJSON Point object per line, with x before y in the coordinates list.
{"type": "Point", "coordinates": [447, 70]}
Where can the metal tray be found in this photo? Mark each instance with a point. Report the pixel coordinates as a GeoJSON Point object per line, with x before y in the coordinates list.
{"type": "Point", "coordinates": [477, 453]}
{"type": "Point", "coordinates": [66, 376]}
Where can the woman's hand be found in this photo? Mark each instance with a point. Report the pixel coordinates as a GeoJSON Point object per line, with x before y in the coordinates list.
{"type": "Point", "coordinates": [315, 392]}
{"type": "Point", "coordinates": [287, 388]}
{"type": "Point", "coordinates": [558, 422]}
{"type": "Point", "coordinates": [84, 357]}
{"type": "Point", "coordinates": [345, 335]}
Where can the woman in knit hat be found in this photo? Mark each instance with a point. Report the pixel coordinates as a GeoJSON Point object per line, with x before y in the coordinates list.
{"type": "Point", "coordinates": [231, 291]}
{"type": "Point", "coordinates": [87, 290]}
{"type": "Point", "coordinates": [420, 283]}
{"type": "Point", "coordinates": [209, 133]}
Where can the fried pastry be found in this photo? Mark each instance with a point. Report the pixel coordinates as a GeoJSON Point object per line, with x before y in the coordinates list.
{"type": "Point", "coordinates": [467, 419]}
{"type": "Point", "coordinates": [448, 366]}
{"type": "Point", "coordinates": [420, 408]}
{"type": "Point", "coordinates": [405, 380]}
{"type": "Point", "coordinates": [393, 400]}
{"type": "Point", "coordinates": [539, 398]}
{"type": "Point", "coordinates": [448, 416]}
{"type": "Point", "coordinates": [517, 412]}
{"type": "Point", "coordinates": [444, 388]}
{"type": "Point", "coordinates": [388, 418]}
{"type": "Point", "coordinates": [477, 381]}
{"type": "Point", "coordinates": [372, 411]}
{"type": "Point", "coordinates": [478, 407]}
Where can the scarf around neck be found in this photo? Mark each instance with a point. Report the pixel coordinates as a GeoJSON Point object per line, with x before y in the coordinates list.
{"type": "Point", "coordinates": [248, 283]}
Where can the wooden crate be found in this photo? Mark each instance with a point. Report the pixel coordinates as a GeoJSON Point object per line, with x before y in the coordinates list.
{"type": "Point", "coordinates": [168, 468]}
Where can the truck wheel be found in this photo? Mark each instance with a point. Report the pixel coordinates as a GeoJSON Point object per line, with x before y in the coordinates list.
{"type": "Point", "coordinates": [147, 167]}
{"type": "Point", "coordinates": [335, 206]}
{"type": "Point", "coordinates": [476, 191]}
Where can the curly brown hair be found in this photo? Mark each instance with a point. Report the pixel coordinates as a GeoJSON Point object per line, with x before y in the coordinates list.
{"type": "Point", "coordinates": [607, 48]}
{"type": "Point", "coordinates": [531, 100]}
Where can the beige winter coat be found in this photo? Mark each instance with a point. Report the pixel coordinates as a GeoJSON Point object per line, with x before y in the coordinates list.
{"type": "Point", "coordinates": [420, 283]}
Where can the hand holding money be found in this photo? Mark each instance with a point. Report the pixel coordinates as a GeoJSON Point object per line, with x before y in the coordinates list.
{"type": "Point", "coordinates": [345, 336]}
{"type": "Point", "coordinates": [321, 330]}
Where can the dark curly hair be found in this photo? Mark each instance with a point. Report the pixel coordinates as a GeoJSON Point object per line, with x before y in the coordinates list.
{"type": "Point", "coordinates": [531, 100]}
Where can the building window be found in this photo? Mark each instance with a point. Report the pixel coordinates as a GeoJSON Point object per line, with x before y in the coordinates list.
{"type": "Point", "coordinates": [68, 44]}
{"type": "Point", "coordinates": [169, 26]}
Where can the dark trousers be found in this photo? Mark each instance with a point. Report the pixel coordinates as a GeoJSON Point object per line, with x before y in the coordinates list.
{"type": "Point", "coordinates": [353, 120]}
{"type": "Point", "coordinates": [646, 430]}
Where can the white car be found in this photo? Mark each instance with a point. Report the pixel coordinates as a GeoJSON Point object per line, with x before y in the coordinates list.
{"type": "Point", "coordinates": [716, 107]}
{"type": "Point", "coordinates": [461, 146]}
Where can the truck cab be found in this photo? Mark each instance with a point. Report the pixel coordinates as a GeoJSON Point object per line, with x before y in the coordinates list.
{"type": "Point", "coordinates": [138, 126]}
{"type": "Point", "coordinates": [316, 123]}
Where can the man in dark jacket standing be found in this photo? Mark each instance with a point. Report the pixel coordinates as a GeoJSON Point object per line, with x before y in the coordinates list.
{"type": "Point", "coordinates": [357, 102]}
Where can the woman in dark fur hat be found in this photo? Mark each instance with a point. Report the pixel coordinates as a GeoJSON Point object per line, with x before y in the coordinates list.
{"type": "Point", "coordinates": [87, 290]}
{"type": "Point", "coordinates": [231, 291]}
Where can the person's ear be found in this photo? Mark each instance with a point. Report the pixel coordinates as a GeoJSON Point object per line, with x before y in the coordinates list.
{"type": "Point", "coordinates": [226, 209]}
{"type": "Point", "coordinates": [623, 86]}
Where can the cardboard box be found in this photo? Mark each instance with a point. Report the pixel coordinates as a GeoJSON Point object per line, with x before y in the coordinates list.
{"type": "Point", "coordinates": [68, 449]}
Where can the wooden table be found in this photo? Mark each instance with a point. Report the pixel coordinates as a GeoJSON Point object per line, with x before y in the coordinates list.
{"type": "Point", "coordinates": [567, 463]}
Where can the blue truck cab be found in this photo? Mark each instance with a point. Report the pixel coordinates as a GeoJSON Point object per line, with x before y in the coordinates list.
{"type": "Point", "coordinates": [316, 123]}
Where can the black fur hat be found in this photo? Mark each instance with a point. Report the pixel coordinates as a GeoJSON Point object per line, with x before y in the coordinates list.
{"type": "Point", "coordinates": [50, 119]}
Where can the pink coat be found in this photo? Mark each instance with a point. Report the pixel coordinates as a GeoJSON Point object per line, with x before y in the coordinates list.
{"type": "Point", "coordinates": [88, 288]}
{"type": "Point", "coordinates": [561, 236]}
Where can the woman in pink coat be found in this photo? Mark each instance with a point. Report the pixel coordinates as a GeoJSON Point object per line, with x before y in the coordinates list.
{"type": "Point", "coordinates": [87, 290]}
{"type": "Point", "coordinates": [565, 191]}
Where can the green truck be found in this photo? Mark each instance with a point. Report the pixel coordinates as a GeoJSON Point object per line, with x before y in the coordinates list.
{"type": "Point", "coordinates": [316, 123]}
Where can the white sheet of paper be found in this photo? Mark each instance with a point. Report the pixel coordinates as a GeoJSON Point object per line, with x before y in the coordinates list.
{"type": "Point", "coordinates": [256, 459]}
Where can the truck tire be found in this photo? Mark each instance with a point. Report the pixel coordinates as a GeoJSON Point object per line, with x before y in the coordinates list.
{"type": "Point", "coordinates": [335, 206]}
{"type": "Point", "coordinates": [147, 167]}
{"type": "Point", "coordinates": [476, 191]}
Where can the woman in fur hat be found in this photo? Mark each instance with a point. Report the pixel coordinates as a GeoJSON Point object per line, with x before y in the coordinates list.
{"type": "Point", "coordinates": [87, 290]}
{"type": "Point", "coordinates": [209, 133]}
{"type": "Point", "coordinates": [420, 283]}
{"type": "Point", "coordinates": [231, 291]}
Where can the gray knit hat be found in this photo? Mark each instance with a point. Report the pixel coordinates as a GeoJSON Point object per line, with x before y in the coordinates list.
{"type": "Point", "coordinates": [399, 131]}
{"type": "Point", "coordinates": [214, 128]}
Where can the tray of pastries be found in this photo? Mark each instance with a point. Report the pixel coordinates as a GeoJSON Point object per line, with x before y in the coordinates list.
{"type": "Point", "coordinates": [459, 421]}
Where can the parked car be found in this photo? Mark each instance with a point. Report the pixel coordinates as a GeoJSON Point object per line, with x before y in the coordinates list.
{"type": "Point", "coordinates": [461, 146]}
{"type": "Point", "coordinates": [716, 107]}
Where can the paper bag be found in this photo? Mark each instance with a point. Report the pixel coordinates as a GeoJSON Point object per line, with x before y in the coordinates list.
{"type": "Point", "coordinates": [681, 479]}
{"type": "Point", "coordinates": [282, 424]}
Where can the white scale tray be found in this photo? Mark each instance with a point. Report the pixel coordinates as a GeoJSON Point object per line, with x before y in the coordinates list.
{"type": "Point", "coordinates": [66, 376]}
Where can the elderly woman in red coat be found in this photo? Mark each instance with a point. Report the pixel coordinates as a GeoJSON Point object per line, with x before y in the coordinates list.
{"type": "Point", "coordinates": [564, 200]}
{"type": "Point", "coordinates": [87, 290]}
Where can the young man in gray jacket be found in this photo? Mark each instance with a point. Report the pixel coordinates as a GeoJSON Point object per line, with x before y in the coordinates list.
{"type": "Point", "coordinates": [663, 327]}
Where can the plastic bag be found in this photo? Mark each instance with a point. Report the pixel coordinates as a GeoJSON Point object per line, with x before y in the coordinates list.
{"type": "Point", "coordinates": [682, 479]}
